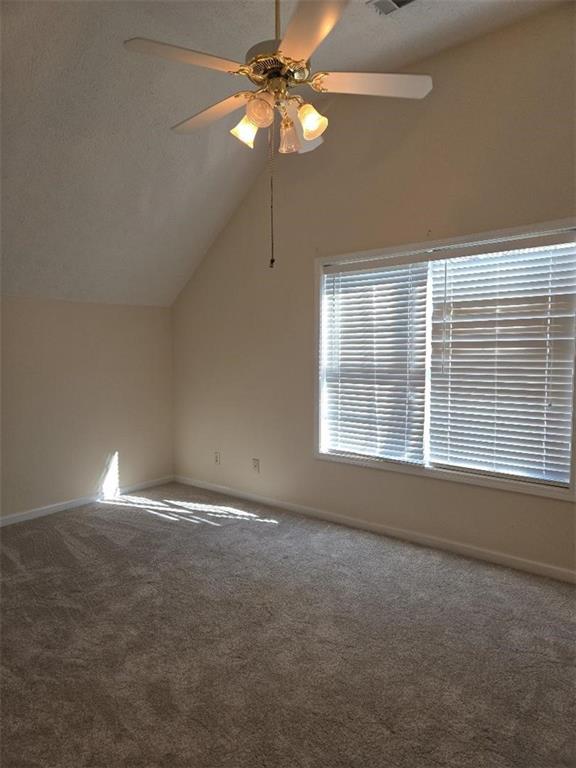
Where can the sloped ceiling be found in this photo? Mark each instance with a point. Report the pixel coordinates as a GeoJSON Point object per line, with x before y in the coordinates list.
{"type": "Point", "coordinates": [101, 201]}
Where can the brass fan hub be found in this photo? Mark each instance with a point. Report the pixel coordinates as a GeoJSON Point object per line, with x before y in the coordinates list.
{"type": "Point", "coordinates": [267, 67]}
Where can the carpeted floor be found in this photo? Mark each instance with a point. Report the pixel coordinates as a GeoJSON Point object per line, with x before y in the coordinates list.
{"type": "Point", "coordinates": [207, 632]}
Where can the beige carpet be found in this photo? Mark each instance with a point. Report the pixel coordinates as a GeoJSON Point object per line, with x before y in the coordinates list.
{"type": "Point", "coordinates": [193, 630]}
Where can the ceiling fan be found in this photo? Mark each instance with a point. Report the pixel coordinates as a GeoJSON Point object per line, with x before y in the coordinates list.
{"type": "Point", "coordinates": [277, 67]}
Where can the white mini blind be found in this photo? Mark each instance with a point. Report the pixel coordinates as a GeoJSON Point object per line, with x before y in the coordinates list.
{"type": "Point", "coordinates": [502, 364]}
{"type": "Point", "coordinates": [373, 362]}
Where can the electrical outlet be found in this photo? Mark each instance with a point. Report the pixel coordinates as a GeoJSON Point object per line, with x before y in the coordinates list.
{"type": "Point", "coordinates": [217, 457]}
{"type": "Point", "coordinates": [256, 465]}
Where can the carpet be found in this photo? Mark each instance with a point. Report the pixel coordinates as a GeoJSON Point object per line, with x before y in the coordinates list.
{"type": "Point", "coordinates": [181, 628]}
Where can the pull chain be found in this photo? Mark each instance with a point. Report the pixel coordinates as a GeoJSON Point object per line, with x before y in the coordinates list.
{"type": "Point", "coordinates": [271, 159]}
{"type": "Point", "coordinates": [271, 146]}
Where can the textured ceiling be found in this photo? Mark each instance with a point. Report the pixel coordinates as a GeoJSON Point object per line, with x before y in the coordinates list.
{"type": "Point", "coordinates": [101, 202]}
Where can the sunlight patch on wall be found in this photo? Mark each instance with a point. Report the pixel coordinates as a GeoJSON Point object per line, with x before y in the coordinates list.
{"type": "Point", "coordinates": [111, 480]}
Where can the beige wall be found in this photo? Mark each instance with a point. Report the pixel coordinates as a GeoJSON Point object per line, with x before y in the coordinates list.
{"type": "Point", "coordinates": [81, 381]}
{"type": "Point", "coordinates": [491, 148]}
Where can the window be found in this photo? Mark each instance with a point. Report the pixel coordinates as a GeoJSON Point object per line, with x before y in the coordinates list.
{"type": "Point", "coordinates": [463, 363]}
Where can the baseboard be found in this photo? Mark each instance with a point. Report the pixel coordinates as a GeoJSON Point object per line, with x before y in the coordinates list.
{"type": "Point", "coordinates": [50, 509]}
{"type": "Point", "coordinates": [477, 553]}
{"type": "Point", "coordinates": [31, 514]}
{"type": "Point", "coordinates": [147, 484]}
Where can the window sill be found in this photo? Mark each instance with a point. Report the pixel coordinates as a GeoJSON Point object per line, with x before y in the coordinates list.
{"type": "Point", "coordinates": [456, 476]}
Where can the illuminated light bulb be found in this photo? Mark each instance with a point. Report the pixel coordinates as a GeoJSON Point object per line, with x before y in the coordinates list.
{"type": "Point", "coordinates": [313, 123]}
{"type": "Point", "coordinates": [288, 137]}
{"type": "Point", "coordinates": [245, 131]}
{"type": "Point", "coordinates": [260, 110]}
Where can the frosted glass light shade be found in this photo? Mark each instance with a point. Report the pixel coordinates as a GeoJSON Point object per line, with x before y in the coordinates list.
{"type": "Point", "coordinates": [313, 123]}
{"type": "Point", "coordinates": [260, 110]}
{"type": "Point", "coordinates": [288, 137]}
{"type": "Point", "coordinates": [245, 131]}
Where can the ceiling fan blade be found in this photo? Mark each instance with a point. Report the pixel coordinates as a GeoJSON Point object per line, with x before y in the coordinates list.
{"type": "Point", "coordinates": [311, 23]}
{"type": "Point", "coordinates": [375, 84]}
{"type": "Point", "coordinates": [175, 53]}
{"type": "Point", "coordinates": [215, 112]}
{"type": "Point", "coordinates": [305, 146]}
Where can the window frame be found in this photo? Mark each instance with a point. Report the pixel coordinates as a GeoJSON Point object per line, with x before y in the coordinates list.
{"type": "Point", "coordinates": [563, 230]}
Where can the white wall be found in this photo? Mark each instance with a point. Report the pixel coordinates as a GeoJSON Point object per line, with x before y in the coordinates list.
{"type": "Point", "coordinates": [491, 148]}
{"type": "Point", "coordinates": [80, 382]}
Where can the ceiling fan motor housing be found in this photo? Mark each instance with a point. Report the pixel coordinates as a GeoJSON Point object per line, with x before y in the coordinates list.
{"type": "Point", "coordinates": [265, 64]}
{"type": "Point", "coordinates": [266, 47]}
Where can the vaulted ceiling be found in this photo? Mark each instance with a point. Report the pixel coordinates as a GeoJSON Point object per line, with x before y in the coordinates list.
{"type": "Point", "coordinates": [101, 201]}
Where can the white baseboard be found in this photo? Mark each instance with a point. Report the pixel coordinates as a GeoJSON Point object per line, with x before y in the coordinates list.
{"type": "Point", "coordinates": [31, 514]}
{"type": "Point", "coordinates": [478, 553]}
{"type": "Point", "coordinates": [147, 484]}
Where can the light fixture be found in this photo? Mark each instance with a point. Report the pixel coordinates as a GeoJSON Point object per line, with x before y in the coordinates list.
{"type": "Point", "coordinates": [288, 137]}
{"type": "Point", "coordinates": [260, 110]}
{"type": "Point", "coordinates": [245, 131]}
{"type": "Point", "coordinates": [313, 123]}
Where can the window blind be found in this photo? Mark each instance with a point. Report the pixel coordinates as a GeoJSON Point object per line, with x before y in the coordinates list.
{"type": "Point", "coordinates": [502, 363]}
{"type": "Point", "coordinates": [373, 362]}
